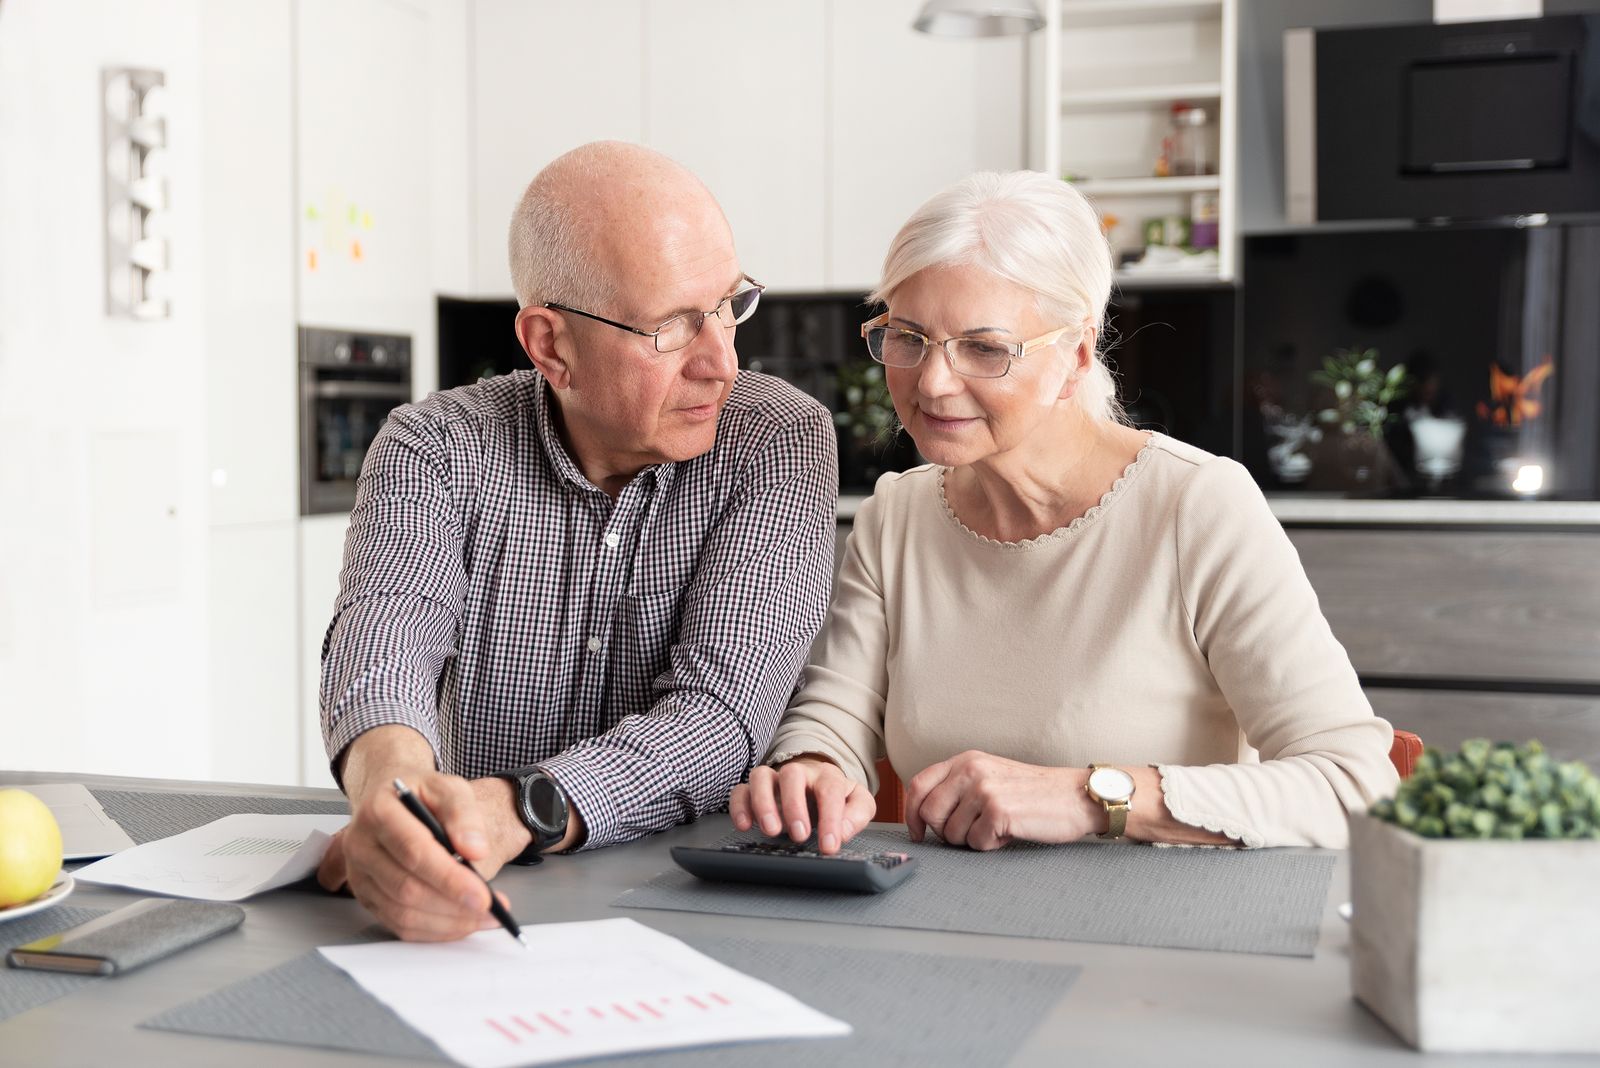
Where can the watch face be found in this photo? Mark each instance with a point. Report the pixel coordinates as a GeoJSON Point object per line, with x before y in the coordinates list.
{"type": "Point", "coordinates": [546, 804]}
{"type": "Point", "coordinates": [1111, 784]}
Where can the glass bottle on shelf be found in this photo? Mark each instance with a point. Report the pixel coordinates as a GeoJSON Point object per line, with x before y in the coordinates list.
{"type": "Point", "coordinates": [1191, 151]}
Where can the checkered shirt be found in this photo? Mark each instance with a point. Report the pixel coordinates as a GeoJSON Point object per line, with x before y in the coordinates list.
{"type": "Point", "coordinates": [640, 649]}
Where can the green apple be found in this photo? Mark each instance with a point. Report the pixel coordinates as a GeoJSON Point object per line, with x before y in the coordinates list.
{"type": "Point", "coordinates": [30, 847]}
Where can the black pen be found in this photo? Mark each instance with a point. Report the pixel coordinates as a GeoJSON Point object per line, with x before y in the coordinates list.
{"type": "Point", "coordinates": [415, 806]}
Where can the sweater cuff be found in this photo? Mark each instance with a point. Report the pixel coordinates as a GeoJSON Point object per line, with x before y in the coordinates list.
{"type": "Point", "coordinates": [1187, 803]}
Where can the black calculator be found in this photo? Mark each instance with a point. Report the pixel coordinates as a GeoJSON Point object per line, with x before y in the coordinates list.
{"type": "Point", "coordinates": [796, 865]}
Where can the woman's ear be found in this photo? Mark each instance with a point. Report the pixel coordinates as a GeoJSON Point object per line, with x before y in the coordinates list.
{"type": "Point", "coordinates": [1081, 361]}
{"type": "Point", "coordinates": [544, 338]}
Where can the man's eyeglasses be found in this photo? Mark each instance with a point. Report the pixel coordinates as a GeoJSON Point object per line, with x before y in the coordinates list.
{"type": "Point", "coordinates": [677, 332]}
{"type": "Point", "coordinates": [970, 357]}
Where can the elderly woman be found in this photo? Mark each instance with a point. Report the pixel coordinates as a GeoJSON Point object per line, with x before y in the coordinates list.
{"type": "Point", "coordinates": [1061, 625]}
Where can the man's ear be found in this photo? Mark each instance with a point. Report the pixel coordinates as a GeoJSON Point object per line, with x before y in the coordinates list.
{"type": "Point", "coordinates": [1081, 360]}
{"type": "Point", "coordinates": [544, 338]}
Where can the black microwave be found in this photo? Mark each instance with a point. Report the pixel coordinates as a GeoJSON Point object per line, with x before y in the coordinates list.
{"type": "Point", "coordinates": [1466, 120]}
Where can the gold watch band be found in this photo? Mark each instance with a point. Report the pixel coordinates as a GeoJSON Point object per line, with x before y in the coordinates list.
{"type": "Point", "coordinates": [1118, 814]}
{"type": "Point", "coordinates": [1116, 811]}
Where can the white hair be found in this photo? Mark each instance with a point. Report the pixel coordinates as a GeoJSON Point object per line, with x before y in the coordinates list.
{"type": "Point", "coordinates": [551, 245]}
{"type": "Point", "coordinates": [1029, 229]}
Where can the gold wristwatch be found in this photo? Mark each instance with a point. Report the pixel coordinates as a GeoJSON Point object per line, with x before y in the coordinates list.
{"type": "Point", "coordinates": [1113, 788]}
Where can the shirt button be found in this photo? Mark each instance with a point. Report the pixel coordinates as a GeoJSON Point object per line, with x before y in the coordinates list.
{"type": "Point", "coordinates": [613, 540]}
{"type": "Point", "coordinates": [594, 645]}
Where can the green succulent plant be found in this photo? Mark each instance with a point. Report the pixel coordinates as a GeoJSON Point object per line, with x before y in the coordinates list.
{"type": "Point", "coordinates": [1363, 393]}
{"type": "Point", "coordinates": [1496, 790]}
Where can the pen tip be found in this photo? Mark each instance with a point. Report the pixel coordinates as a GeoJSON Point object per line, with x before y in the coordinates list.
{"type": "Point", "coordinates": [399, 785]}
{"type": "Point", "coordinates": [523, 938]}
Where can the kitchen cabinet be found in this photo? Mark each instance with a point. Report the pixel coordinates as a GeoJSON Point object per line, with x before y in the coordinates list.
{"type": "Point", "coordinates": [545, 78]}
{"type": "Point", "coordinates": [321, 554]}
{"type": "Point", "coordinates": [361, 147]}
{"type": "Point", "coordinates": [819, 125]}
{"type": "Point", "coordinates": [252, 621]}
{"type": "Point", "coordinates": [737, 93]}
{"type": "Point", "coordinates": [909, 114]}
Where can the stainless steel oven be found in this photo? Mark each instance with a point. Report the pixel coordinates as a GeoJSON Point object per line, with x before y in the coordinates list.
{"type": "Point", "coordinates": [349, 382]}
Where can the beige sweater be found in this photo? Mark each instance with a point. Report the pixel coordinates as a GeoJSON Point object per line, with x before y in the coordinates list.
{"type": "Point", "coordinates": [1170, 625]}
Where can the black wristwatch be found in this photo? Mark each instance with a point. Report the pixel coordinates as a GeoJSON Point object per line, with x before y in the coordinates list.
{"type": "Point", "coordinates": [542, 805]}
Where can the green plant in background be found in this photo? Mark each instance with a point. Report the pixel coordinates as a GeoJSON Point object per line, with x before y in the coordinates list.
{"type": "Point", "coordinates": [868, 410]}
{"type": "Point", "coordinates": [1496, 790]}
{"type": "Point", "coordinates": [1363, 393]}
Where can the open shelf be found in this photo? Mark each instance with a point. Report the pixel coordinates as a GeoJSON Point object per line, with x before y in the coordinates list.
{"type": "Point", "coordinates": [1138, 96]}
{"type": "Point", "coordinates": [1148, 187]}
{"type": "Point", "coordinates": [1167, 279]}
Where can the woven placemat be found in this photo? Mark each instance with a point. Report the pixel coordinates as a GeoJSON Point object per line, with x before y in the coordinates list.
{"type": "Point", "coordinates": [22, 989]}
{"type": "Point", "coordinates": [148, 816]}
{"type": "Point", "coordinates": [905, 1008]}
{"type": "Point", "coordinates": [1241, 901]}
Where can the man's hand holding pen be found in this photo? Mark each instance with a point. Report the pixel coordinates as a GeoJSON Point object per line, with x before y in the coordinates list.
{"type": "Point", "coordinates": [390, 860]}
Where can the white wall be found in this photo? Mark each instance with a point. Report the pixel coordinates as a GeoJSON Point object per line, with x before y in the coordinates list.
{"type": "Point", "coordinates": [103, 486]}
{"type": "Point", "coordinates": [153, 573]}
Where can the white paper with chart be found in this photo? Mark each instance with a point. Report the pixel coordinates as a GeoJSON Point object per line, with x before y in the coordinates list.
{"type": "Point", "coordinates": [226, 860]}
{"type": "Point", "coordinates": [577, 990]}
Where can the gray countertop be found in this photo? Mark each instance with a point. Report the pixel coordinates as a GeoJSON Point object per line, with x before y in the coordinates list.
{"type": "Point", "coordinates": [1131, 1006]}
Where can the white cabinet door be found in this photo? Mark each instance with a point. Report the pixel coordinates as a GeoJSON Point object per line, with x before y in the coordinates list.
{"type": "Point", "coordinates": [252, 621]}
{"type": "Point", "coordinates": [910, 114]}
{"type": "Point", "coordinates": [321, 553]}
{"type": "Point", "coordinates": [737, 93]}
{"type": "Point", "coordinates": [362, 118]}
{"type": "Point", "coordinates": [547, 77]}
{"type": "Point", "coordinates": [247, 159]}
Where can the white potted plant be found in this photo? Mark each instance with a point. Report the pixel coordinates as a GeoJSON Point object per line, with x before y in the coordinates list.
{"type": "Point", "coordinates": [1476, 895]}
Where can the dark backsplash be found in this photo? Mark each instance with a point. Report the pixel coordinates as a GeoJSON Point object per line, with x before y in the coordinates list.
{"type": "Point", "coordinates": [1231, 369]}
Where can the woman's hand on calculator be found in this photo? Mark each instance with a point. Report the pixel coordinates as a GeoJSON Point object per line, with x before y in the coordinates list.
{"type": "Point", "coordinates": [780, 800]}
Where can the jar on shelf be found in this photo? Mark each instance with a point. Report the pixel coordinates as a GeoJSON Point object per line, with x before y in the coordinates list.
{"type": "Point", "coordinates": [1203, 220]}
{"type": "Point", "coordinates": [1192, 141]}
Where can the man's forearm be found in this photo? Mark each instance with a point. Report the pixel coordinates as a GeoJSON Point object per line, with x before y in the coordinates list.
{"type": "Point", "coordinates": [381, 754]}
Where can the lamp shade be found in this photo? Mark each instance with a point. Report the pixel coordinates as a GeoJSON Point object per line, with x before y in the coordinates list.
{"type": "Point", "coordinates": [978, 18]}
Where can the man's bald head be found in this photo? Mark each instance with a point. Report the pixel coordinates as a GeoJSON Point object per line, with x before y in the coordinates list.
{"type": "Point", "coordinates": [590, 221]}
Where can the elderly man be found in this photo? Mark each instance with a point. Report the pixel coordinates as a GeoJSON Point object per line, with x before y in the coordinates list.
{"type": "Point", "coordinates": [575, 600]}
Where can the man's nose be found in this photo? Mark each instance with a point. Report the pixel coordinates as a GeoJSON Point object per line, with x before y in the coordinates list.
{"type": "Point", "coordinates": [712, 354]}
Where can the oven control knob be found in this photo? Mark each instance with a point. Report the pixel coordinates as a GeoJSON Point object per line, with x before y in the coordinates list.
{"type": "Point", "coordinates": [341, 352]}
{"type": "Point", "coordinates": [380, 355]}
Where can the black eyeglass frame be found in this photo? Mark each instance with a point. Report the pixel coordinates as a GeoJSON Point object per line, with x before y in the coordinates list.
{"type": "Point", "coordinates": [655, 335]}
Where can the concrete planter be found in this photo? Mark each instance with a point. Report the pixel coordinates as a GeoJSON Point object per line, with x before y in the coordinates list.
{"type": "Point", "coordinates": [1485, 946]}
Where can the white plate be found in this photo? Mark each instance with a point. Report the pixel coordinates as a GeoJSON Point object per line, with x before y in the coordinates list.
{"type": "Point", "coordinates": [57, 892]}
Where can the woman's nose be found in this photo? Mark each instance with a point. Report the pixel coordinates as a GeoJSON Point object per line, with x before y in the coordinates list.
{"type": "Point", "coordinates": [936, 377]}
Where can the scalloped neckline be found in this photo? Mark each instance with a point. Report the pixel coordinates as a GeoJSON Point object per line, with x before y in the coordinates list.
{"type": "Point", "coordinates": [1107, 498]}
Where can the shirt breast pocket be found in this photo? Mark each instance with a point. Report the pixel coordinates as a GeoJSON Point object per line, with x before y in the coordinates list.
{"type": "Point", "coordinates": [646, 627]}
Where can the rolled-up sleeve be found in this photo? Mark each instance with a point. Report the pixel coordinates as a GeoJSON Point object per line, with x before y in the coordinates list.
{"type": "Point", "coordinates": [747, 617]}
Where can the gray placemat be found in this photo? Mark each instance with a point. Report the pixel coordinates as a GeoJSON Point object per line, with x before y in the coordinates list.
{"type": "Point", "coordinates": [1240, 901]}
{"type": "Point", "coordinates": [149, 816]}
{"type": "Point", "coordinates": [23, 989]}
{"type": "Point", "coordinates": [906, 1008]}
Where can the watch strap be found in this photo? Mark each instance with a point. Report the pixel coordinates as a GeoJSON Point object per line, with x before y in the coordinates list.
{"type": "Point", "coordinates": [542, 838]}
{"type": "Point", "coordinates": [1116, 811]}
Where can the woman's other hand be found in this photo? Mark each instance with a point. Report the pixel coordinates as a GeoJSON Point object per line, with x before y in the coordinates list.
{"type": "Point", "coordinates": [983, 801]}
{"type": "Point", "coordinates": [779, 800]}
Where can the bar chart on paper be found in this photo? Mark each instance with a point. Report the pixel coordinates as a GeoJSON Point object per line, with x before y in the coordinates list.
{"type": "Point", "coordinates": [579, 990]}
